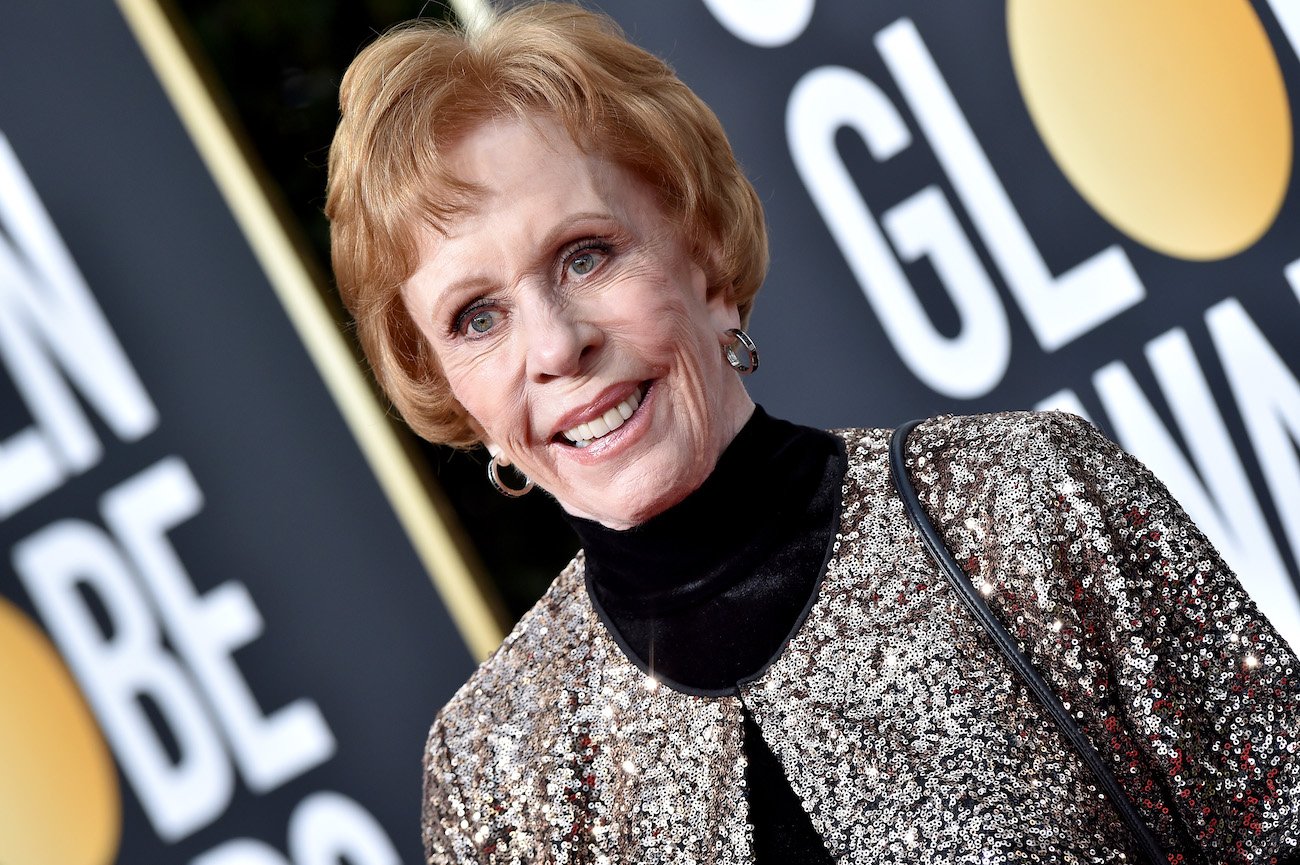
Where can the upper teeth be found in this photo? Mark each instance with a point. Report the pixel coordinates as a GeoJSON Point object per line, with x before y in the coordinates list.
{"type": "Point", "coordinates": [585, 433]}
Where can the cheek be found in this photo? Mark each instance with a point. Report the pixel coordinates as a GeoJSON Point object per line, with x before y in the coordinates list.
{"type": "Point", "coordinates": [690, 328]}
{"type": "Point", "coordinates": [694, 341]}
{"type": "Point", "coordinates": [483, 392]}
{"type": "Point", "coordinates": [664, 313]}
{"type": "Point", "coordinates": [666, 338]}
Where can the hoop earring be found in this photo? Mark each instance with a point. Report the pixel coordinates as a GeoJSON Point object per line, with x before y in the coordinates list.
{"type": "Point", "coordinates": [750, 362]}
{"type": "Point", "coordinates": [499, 486]}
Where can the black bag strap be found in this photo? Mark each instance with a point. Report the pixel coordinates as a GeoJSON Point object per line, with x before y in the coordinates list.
{"type": "Point", "coordinates": [971, 599]}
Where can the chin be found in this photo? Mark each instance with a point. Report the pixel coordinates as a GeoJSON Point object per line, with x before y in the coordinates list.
{"type": "Point", "coordinates": [631, 511]}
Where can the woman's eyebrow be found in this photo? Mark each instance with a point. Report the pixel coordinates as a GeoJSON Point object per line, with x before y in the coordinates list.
{"type": "Point", "coordinates": [566, 224]}
{"type": "Point", "coordinates": [451, 293]}
{"type": "Point", "coordinates": [478, 282]}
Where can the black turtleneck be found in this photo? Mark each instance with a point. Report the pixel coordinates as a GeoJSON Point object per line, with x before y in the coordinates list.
{"type": "Point", "coordinates": [706, 595]}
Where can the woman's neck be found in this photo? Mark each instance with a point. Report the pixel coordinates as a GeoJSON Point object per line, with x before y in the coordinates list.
{"type": "Point", "coordinates": [745, 547]}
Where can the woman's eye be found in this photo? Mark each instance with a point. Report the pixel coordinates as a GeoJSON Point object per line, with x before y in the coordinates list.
{"type": "Point", "coordinates": [476, 322]}
{"type": "Point", "coordinates": [585, 261]}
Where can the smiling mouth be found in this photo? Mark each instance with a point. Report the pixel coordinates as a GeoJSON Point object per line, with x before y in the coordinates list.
{"type": "Point", "coordinates": [584, 434]}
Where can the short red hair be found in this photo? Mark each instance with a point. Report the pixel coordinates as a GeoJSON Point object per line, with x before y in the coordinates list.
{"type": "Point", "coordinates": [410, 96]}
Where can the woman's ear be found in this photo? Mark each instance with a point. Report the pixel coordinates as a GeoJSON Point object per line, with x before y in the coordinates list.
{"type": "Point", "coordinates": [494, 450]}
{"type": "Point", "coordinates": [724, 315]}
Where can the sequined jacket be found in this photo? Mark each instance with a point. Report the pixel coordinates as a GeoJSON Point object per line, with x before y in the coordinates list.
{"type": "Point", "coordinates": [897, 723]}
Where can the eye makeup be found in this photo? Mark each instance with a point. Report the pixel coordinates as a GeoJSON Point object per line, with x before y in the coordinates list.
{"type": "Point", "coordinates": [460, 323]}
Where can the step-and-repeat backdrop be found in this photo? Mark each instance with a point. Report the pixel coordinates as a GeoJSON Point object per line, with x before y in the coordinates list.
{"type": "Point", "coordinates": [217, 645]}
{"type": "Point", "coordinates": [976, 206]}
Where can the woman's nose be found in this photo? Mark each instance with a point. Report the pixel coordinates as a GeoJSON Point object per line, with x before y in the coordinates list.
{"type": "Point", "coordinates": [560, 341]}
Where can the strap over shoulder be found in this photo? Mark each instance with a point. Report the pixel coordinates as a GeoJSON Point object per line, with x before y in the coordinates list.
{"type": "Point", "coordinates": [1150, 846]}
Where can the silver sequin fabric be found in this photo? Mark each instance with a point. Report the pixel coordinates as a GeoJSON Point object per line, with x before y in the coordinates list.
{"type": "Point", "coordinates": [898, 724]}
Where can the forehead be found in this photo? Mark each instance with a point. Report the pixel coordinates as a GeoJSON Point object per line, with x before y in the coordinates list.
{"type": "Point", "coordinates": [533, 191]}
{"type": "Point", "coordinates": [510, 160]}
{"type": "Point", "coordinates": [527, 177]}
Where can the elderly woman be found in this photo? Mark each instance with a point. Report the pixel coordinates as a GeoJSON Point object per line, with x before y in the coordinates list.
{"type": "Point", "coordinates": [550, 250]}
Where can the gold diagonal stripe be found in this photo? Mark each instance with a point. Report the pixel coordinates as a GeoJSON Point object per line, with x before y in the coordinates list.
{"type": "Point", "coordinates": [425, 519]}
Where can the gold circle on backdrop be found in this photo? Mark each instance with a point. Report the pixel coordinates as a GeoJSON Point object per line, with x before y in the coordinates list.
{"type": "Point", "coordinates": [1172, 122]}
{"type": "Point", "coordinates": [59, 797]}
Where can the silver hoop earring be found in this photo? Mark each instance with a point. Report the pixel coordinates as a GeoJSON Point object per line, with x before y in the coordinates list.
{"type": "Point", "coordinates": [750, 362]}
{"type": "Point", "coordinates": [499, 486]}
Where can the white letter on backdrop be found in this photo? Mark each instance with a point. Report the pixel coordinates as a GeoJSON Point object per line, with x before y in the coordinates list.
{"type": "Point", "coordinates": [765, 23]}
{"type": "Point", "coordinates": [973, 362]}
{"type": "Point", "coordinates": [327, 828]}
{"type": "Point", "coordinates": [48, 314]}
{"type": "Point", "coordinates": [1288, 15]}
{"type": "Point", "coordinates": [1268, 397]}
{"type": "Point", "coordinates": [207, 629]}
{"type": "Point", "coordinates": [241, 851]}
{"type": "Point", "coordinates": [116, 671]}
{"type": "Point", "coordinates": [1058, 309]}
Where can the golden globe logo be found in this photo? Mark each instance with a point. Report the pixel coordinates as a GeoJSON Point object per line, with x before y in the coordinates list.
{"type": "Point", "coordinates": [1172, 123]}
{"type": "Point", "coordinates": [59, 798]}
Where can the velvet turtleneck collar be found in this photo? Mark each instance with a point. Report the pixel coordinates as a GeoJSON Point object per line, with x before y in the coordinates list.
{"type": "Point", "coordinates": [705, 594]}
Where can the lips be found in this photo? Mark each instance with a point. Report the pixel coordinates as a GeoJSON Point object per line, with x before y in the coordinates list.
{"type": "Point", "coordinates": [601, 423]}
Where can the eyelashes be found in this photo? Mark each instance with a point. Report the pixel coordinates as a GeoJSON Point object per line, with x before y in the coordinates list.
{"type": "Point", "coordinates": [476, 320]}
{"type": "Point", "coordinates": [583, 258]}
{"type": "Point", "coordinates": [575, 262]}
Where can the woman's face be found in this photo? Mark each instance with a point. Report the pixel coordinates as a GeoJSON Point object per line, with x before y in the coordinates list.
{"type": "Point", "coordinates": [564, 305]}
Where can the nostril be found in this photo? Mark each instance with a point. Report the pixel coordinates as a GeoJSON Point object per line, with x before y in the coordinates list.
{"type": "Point", "coordinates": [560, 343]}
